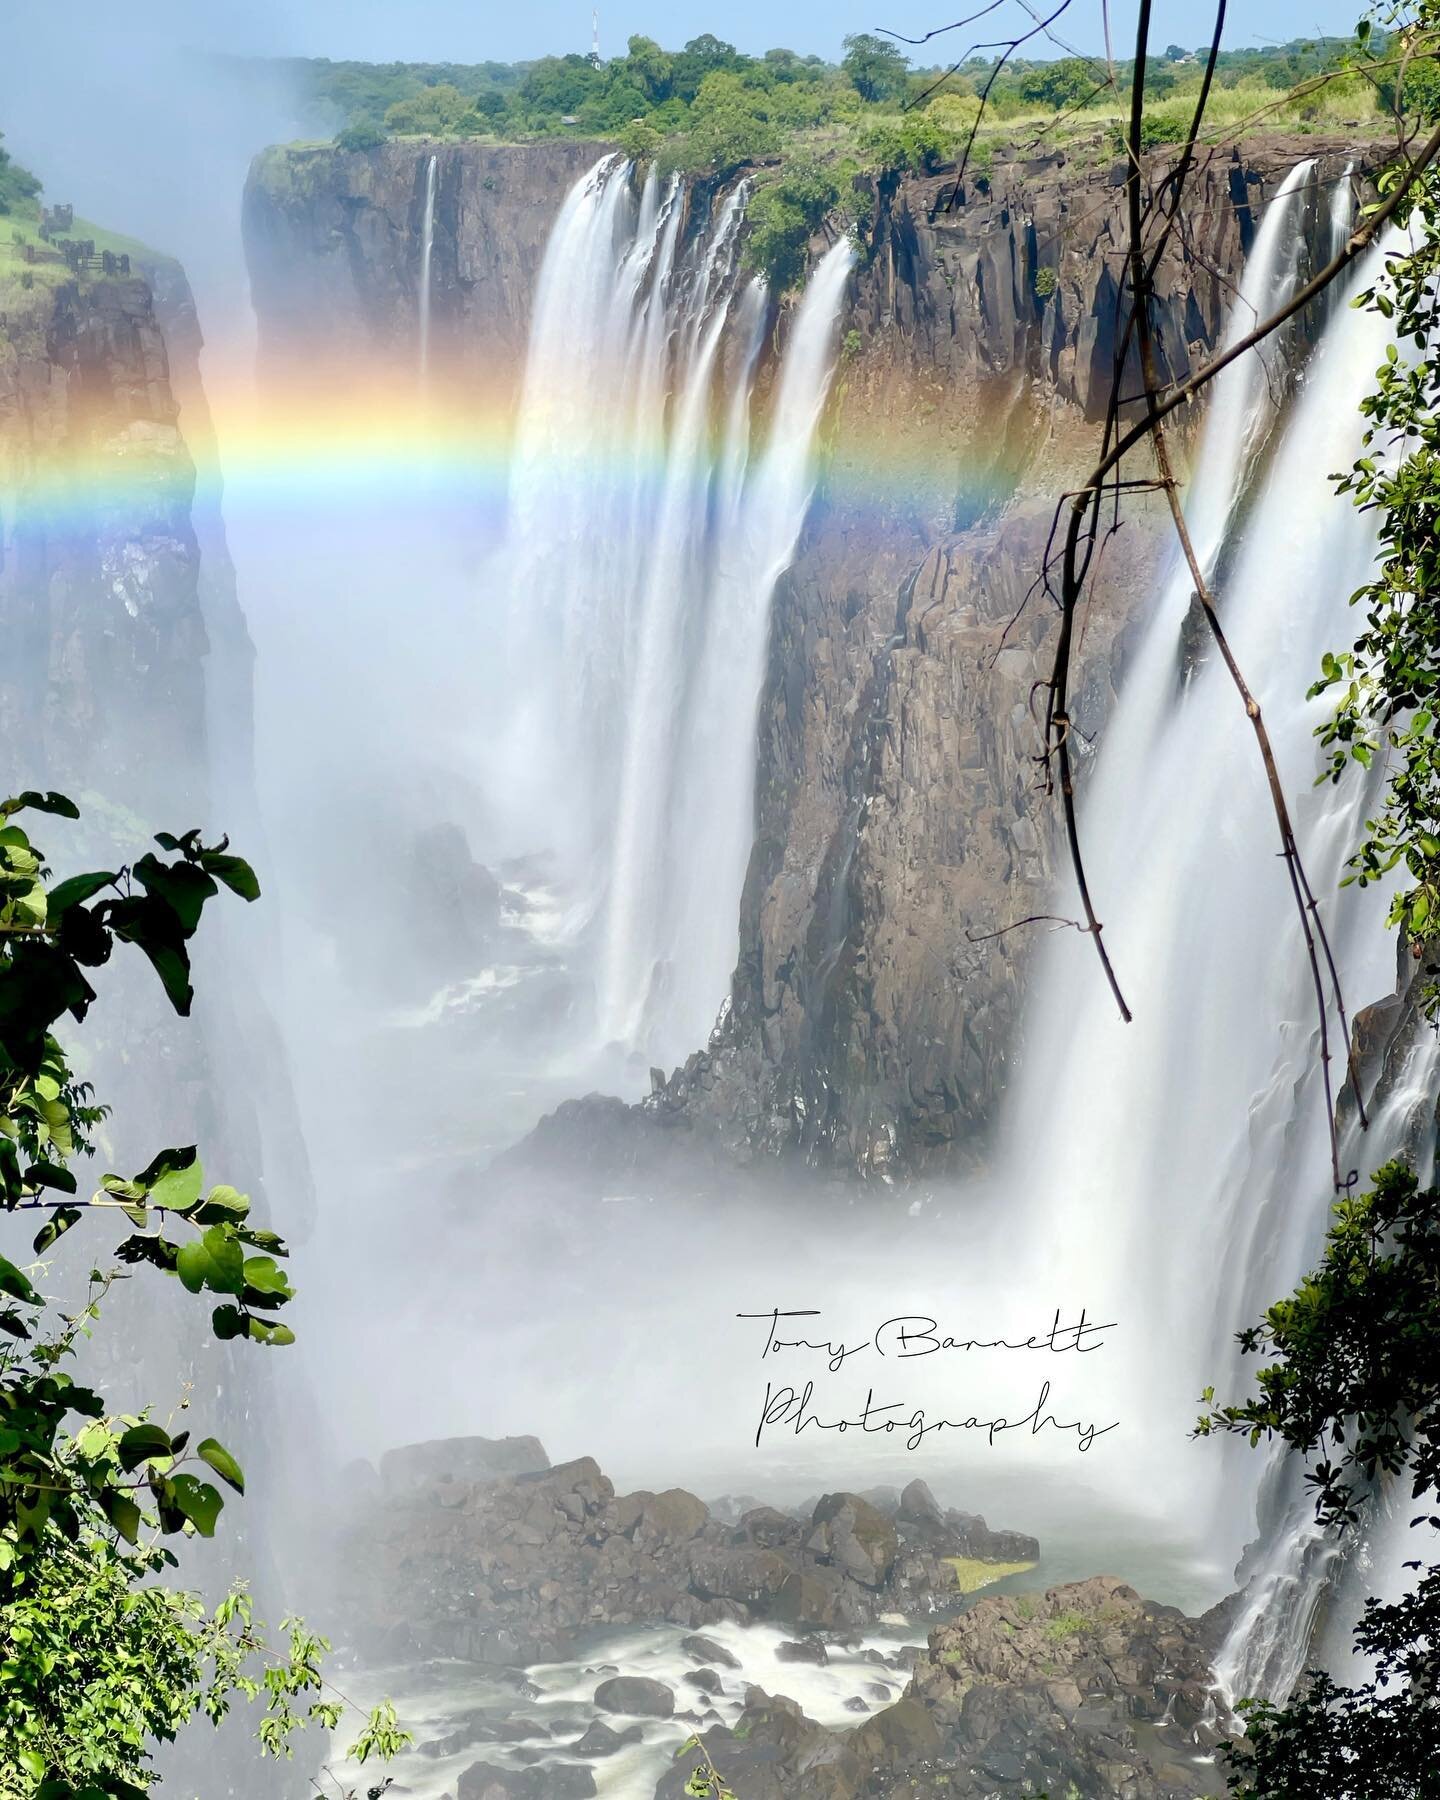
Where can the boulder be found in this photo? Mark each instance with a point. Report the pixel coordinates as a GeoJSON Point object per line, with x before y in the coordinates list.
{"type": "Point", "coordinates": [917, 1503]}
{"type": "Point", "coordinates": [854, 1535]}
{"type": "Point", "coordinates": [557, 1781]}
{"type": "Point", "coordinates": [637, 1695]}
{"type": "Point", "coordinates": [706, 1650]}
{"type": "Point", "coordinates": [601, 1739]}
{"type": "Point", "coordinates": [802, 1650]}
{"type": "Point", "coordinates": [673, 1517]}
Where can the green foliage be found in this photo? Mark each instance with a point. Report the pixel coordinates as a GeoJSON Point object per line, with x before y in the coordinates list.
{"type": "Point", "coordinates": [1061, 85]}
{"type": "Point", "coordinates": [640, 141]}
{"type": "Point", "coordinates": [1358, 1350]}
{"type": "Point", "coordinates": [18, 187]}
{"type": "Point", "coordinates": [361, 136]}
{"type": "Point", "coordinates": [1388, 685]}
{"type": "Point", "coordinates": [1046, 282]}
{"type": "Point", "coordinates": [434, 112]}
{"type": "Point", "coordinates": [918, 141]}
{"type": "Point", "coordinates": [875, 66]}
{"type": "Point", "coordinates": [101, 1657]}
{"type": "Point", "coordinates": [784, 215]}
{"type": "Point", "coordinates": [1354, 1384]}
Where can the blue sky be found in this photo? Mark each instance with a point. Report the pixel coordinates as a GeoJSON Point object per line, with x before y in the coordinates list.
{"type": "Point", "coordinates": [472, 30]}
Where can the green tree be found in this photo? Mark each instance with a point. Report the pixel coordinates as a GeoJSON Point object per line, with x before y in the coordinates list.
{"type": "Point", "coordinates": [18, 187]}
{"type": "Point", "coordinates": [783, 217]}
{"type": "Point", "coordinates": [363, 135]}
{"type": "Point", "coordinates": [433, 112]}
{"type": "Point", "coordinates": [101, 1656]}
{"type": "Point", "coordinates": [702, 56]}
{"type": "Point", "coordinates": [650, 68]}
{"type": "Point", "coordinates": [730, 125]}
{"type": "Point", "coordinates": [1060, 85]}
{"type": "Point", "coordinates": [1388, 684]}
{"type": "Point", "coordinates": [876, 67]}
{"type": "Point", "coordinates": [1355, 1382]}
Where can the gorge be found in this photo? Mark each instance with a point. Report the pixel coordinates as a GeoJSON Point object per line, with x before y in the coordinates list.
{"type": "Point", "coordinates": [645, 751]}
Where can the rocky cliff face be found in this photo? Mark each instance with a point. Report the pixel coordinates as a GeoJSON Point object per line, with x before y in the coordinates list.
{"type": "Point", "coordinates": [899, 823]}
{"type": "Point", "coordinates": [101, 689]}
{"type": "Point", "coordinates": [334, 242]}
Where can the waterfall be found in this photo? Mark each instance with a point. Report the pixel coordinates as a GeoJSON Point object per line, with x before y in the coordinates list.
{"type": "Point", "coordinates": [643, 546]}
{"type": "Point", "coordinates": [427, 245]}
{"type": "Point", "coordinates": [1177, 1168]}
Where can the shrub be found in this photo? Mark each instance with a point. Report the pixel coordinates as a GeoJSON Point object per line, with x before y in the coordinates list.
{"type": "Point", "coordinates": [784, 215]}
{"type": "Point", "coordinates": [18, 187]}
{"type": "Point", "coordinates": [365, 134]}
{"type": "Point", "coordinates": [640, 141]}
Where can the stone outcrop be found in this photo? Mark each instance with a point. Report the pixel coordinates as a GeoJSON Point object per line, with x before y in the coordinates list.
{"type": "Point", "coordinates": [505, 1566]}
{"type": "Point", "coordinates": [1087, 1689]}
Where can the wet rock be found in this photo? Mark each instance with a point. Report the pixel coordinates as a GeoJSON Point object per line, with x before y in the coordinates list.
{"type": "Point", "coordinates": [708, 1651]}
{"type": "Point", "coordinates": [635, 1694]}
{"type": "Point", "coordinates": [600, 1739]}
{"type": "Point", "coordinates": [918, 1504]}
{"type": "Point", "coordinates": [802, 1650]}
{"type": "Point", "coordinates": [706, 1680]}
{"type": "Point", "coordinates": [673, 1517]}
{"type": "Point", "coordinates": [854, 1535]}
{"type": "Point", "coordinates": [555, 1781]}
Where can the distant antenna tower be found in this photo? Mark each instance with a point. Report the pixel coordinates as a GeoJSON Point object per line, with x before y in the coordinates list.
{"type": "Point", "coordinates": [595, 37]}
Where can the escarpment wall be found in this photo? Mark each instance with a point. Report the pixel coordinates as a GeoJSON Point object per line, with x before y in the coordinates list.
{"type": "Point", "coordinates": [101, 687]}
{"type": "Point", "coordinates": [334, 244]}
{"type": "Point", "coordinates": [900, 822]}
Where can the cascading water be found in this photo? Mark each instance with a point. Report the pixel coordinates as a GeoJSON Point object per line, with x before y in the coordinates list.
{"type": "Point", "coordinates": [427, 247]}
{"type": "Point", "coordinates": [1177, 1166]}
{"type": "Point", "coordinates": [642, 550]}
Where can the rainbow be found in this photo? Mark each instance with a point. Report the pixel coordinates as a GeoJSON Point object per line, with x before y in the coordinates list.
{"type": "Point", "coordinates": [381, 444]}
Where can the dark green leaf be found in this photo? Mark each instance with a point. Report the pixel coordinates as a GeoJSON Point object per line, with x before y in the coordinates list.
{"type": "Point", "coordinates": [234, 871]}
{"type": "Point", "coordinates": [50, 1175]}
{"type": "Point", "coordinates": [141, 1443]}
{"type": "Point", "coordinates": [199, 1502]}
{"type": "Point", "coordinates": [37, 802]}
{"type": "Point", "coordinates": [222, 1462]}
{"type": "Point", "coordinates": [122, 1512]}
{"type": "Point", "coordinates": [15, 1284]}
{"type": "Point", "coordinates": [181, 886]}
{"type": "Point", "coordinates": [54, 1227]}
{"type": "Point", "coordinates": [76, 890]}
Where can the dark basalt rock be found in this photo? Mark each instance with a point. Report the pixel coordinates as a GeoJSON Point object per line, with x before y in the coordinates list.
{"type": "Point", "coordinates": [556, 1781]}
{"type": "Point", "coordinates": [1087, 1688]}
{"type": "Point", "coordinates": [513, 1568]}
{"type": "Point", "coordinates": [708, 1651]}
{"type": "Point", "coordinates": [637, 1695]}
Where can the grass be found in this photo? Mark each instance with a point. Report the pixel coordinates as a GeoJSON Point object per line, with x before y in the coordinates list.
{"type": "Point", "coordinates": [1067, 1625]}
{"type": "Point", "coordinates": [972, 1573]}
{"type": "Point", "coordinates": [21, 227]}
